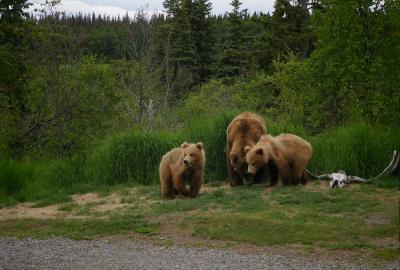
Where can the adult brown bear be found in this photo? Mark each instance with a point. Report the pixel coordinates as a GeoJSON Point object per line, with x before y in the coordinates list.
{"type": "Point", "coordinates": [179, 166]}
{"type": "Point", "coordinates": [287, 153]}
{"type": "Point", "coordinates": [245, 129]}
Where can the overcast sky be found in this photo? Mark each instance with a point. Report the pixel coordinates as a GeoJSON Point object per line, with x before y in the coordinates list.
{"type": "Point", "coordinates": [115, 7]}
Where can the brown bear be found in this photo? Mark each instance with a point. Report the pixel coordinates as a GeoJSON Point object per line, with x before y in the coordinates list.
{"type": "Point", "coordinates": [179, 166]}
{"type": "Point", "coordinates": [287, 156]}
{"type": "Point", "coordinates": [245, 129]}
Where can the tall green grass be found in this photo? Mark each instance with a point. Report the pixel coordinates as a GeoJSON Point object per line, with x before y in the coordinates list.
{"type": "Point", "coordinates": [212, 132]}
{"type": "Point", "coordinates": [130, 157]}
{"type": "Point", "coordinates": [134, 156]}
{"type": "Point", "coordinates": [14, 178]}
{"type": "Point", "coordinates": [358, 148]}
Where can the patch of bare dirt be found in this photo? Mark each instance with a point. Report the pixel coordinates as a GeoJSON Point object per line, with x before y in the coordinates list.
{"type": "Point", "coordinates": [385, 242]}
{"type": "Point", "coordinates": [376, 220]}
{"type": "Point", "coordinates": [25, 210]}
{"type": "Point", "coordinates": [111, 202]}
{"type": "Point", "coordinates": [317, 186]}
{"type": "Point", "coordinates": [207, 188]}
{"type": "Point", "coordinates": [267, 191]}
{"type": "Point", "coordinates": [90, 200]}
{"type": "Point", "coordinates": [383, 195]}
{"type": "Point", "coordinates": [85, 198]}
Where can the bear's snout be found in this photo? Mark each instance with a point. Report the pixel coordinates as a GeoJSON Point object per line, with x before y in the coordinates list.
{"type": "Point", "coordinates": [185, 161]}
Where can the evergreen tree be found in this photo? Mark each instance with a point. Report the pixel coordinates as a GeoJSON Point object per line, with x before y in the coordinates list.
{"type": "Point", "coordinates": [13, 10]}
{"type": "Point", "coordinates": [202, 36]}
{"type": "Point", "coordinates": [188, 33]}
{"type": "Point", "coordinates": [233, 60]}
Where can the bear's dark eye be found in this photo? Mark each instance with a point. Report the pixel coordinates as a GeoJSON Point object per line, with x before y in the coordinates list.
{"type": "Point", "coordinates": [191, 155]}
{"type": "Point", "coordinates": [254, 164]}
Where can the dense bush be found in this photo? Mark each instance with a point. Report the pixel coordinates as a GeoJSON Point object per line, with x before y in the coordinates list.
{"type": "Point", "coordinates": [130, 157]}
{"type": "Point", "coordinates": [212, 132]}
{"type": "Point", "coordinates": [14, 177]}
{"type": "Point", "coordinates": [358, 148]}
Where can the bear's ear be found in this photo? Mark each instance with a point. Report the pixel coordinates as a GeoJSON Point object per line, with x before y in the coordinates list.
{"type": "Point", "coordinates": [199, 145]}
{"type": "Point", "coordinates": [247, 149]}
{"type": "Point", "coordinates": [184, 145]}
{"type": "Point", "coordinates": [260, 151]}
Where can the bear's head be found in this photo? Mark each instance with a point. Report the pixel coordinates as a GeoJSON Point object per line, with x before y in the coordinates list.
{"type": "Point", "coordinates": [239, 165]}
{"type": "Point", "coordinates": [193, 155]}
{"type": "Point", "coordinates": [256, 157]}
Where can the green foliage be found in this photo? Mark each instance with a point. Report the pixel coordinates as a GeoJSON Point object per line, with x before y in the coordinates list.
{"type": "Point", "coordinates": [67, 83]}
{"type": "Point", "coordinates": [13, 10]}
{"type": "Point", "coordinates": [298, 102]}
{"type": "Point", "coordinates": [130, 157]}
{"type": "Point", "coordinates": [359, 149]}
{"type": "Point", "coordinates": [354, 65]}
{"type": "Point", "coordinates": [258, 93]}
{"type": "Point", "coordinates": [14, 178]}
{"type": "Point", "coordinates": [69, 172]}
{"type": "Point", "coordinates": [232, 61]}
{"type": "Point", "coordinates": [79, 99]}
{"type": "Point", "coordinates": [187, 31]}
{"type": "Point", "coordinates": [212, 132]}
{"type": "Point", "coordinates": [134, 156]}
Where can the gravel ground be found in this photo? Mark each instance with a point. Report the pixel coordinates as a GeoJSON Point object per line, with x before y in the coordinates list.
{"type": "Point", "coordinates": [56, 253]}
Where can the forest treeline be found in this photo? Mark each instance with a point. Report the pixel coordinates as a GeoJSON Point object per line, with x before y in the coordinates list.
{"type": "Point", "coordinates": [67, 82]}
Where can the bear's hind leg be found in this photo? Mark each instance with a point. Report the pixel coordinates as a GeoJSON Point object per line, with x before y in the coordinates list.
{"type": "Point", "coordinates": [304, 178]}
{"type": "Point", "coordinates": [286, 173]}
{"type": "Point", "coordinates": [166, 181]}
{"type": "Point", "coordinates": [167, 188]}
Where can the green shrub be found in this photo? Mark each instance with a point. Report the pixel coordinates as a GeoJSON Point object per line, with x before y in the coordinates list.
{"type": "Point", "coordinates": [358, 148]}
{"type": "Point", "coordinates": [212, 132]}
{"type": "Point", "coordinates": [70, 171]}
{"type": "Point", "coordinates": [130, 157]}
{"type": "Point", "coordinates": [14, 178]}
{"type": "Point", "coordinates": [277, 127]}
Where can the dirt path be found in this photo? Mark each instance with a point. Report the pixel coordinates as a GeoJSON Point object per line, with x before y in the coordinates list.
{"type": "Point", "coordinates": [56, 253]}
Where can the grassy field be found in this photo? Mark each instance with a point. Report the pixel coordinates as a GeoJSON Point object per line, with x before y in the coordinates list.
{"type": "Point", "coordinates": [360, 218]}
{"type": "Point", "coordinates": [113, 190]}
{"type": "Point", "coordinates": [132, 157]}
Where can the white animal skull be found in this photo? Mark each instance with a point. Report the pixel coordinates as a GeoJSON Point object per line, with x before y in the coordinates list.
{"type": "Point", "coordinates": [338, 179]}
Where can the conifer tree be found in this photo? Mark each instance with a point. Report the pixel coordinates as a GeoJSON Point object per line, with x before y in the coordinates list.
{"type": "Point", "coordinates": [233, 61]}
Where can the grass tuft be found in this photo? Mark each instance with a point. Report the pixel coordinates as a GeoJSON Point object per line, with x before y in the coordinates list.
{"type": "Point", "coordinates": [130, 158]}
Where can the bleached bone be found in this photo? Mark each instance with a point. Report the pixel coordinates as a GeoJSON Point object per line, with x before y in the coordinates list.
{"type": "Point", "coordinates": [340, 178]}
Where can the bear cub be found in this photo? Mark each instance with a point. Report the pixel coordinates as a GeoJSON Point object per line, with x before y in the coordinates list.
{"type": "Point", "coordinates": [182, 165]}
{"type": "Point", "coordinates": [286, 156]}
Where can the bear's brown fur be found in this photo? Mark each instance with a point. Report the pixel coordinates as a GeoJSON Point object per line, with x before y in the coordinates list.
{"type": "Point", "coordinates": [287, 153]}
{"type": "Point", "coordinates": [245, 129]}
{"type": "Point", "coordinates": [180, 165]}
